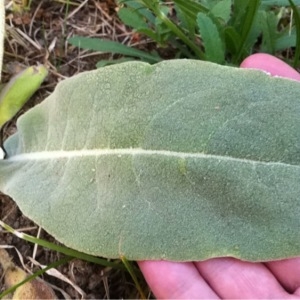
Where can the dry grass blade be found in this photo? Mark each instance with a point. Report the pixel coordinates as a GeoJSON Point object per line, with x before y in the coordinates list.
{"type": "Point", "coordinates": [15, 277]}
{"type": "Point", "coordinates": [55, 273]}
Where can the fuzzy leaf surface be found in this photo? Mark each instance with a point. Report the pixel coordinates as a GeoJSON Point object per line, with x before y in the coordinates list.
{"type": "Point", "coordinates": [183, 160]}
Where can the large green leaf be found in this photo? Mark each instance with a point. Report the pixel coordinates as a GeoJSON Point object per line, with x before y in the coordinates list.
{"type": "Point", "coordinates": [183, 160]}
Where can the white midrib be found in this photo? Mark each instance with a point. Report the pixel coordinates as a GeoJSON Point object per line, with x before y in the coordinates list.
{"type": "Point", "coordinates": [44, 155]}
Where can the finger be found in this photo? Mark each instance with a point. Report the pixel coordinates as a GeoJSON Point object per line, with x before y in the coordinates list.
{"type": "Point", "coordinates": [172, 280]}
{"type": "Point", "coordinates": [271, 64]}
{"type": "Point", "coordinates": [287, 273]}
{"type": "Point", "coordinates": [231, 278]}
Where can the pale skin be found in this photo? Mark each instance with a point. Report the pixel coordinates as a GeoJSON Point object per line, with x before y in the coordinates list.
{"type": "Point", "coordinates": [229, 278]}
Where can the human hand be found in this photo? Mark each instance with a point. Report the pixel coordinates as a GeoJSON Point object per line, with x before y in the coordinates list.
{"type": "Point", "coordinates": [223, 278]}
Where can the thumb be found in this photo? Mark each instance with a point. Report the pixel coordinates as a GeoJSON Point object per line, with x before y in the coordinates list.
{"type": "Point", "coordinates": [270, 64]}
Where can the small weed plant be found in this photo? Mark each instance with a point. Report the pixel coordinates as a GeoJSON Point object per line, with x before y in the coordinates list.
{"type": "Point", "coordinates": [224, 32]}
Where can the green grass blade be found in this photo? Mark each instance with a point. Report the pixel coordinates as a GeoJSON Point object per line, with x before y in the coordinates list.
{"type": "Point", "coordinates": [211, 37]}
{"type": "Point", "coordinates": [186, 22]}
{"type": "Point", "coordinates": [158, 11]}
{"type": "Point", "coordinates": [36, 274]}
{"type": "Point", "coordinates": [152, 34]}
{"type": "Point", "coordinates": [297, 25]}
{"type": "Point", "coordinates": [247, 25]}
{"type": "Point", "coordinates": [239, 10]}
{"type": "Point", "coordinates": [187, 12]}
{"type": "Point", "coordinates": [191, 8]}
{"type": "Point", "coordinates": [61, 249]}
{"type": "Point", "coordinates": [132, 273]}
{"type": "Point", "coordinates": [232, 39]}
{"type": "Point", "coordinates": [268, 23]}
{"type": "Point", "coordinates": [141, 9]}
{"type": "Point", "coordinates": [179, 33]}
{"type": "Point", "coordinates": [112, 47]}
{"type": "Point", "coordinates": [278, 2]}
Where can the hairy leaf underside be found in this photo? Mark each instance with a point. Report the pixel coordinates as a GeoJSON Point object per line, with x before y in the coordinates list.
{"type": "Point", "coordinates": [183, 160]}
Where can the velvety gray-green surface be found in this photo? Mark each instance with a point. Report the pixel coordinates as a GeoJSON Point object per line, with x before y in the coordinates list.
{"type": "Point", "coordinates": [184, 160]}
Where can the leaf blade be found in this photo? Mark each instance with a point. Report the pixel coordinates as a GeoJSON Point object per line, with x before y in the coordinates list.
{"type": "Point", "coordinates": [177, 207]}
{"type": "Point", "coordinates": [11, 99]}
{"type": "Point", "coordinates": [212, 40]}
{"type": "Point", "coordinates": [111, 46]}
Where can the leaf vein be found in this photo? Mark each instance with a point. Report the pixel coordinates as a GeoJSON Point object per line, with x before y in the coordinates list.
{"type": "Point", "coordinates": [50, 155]}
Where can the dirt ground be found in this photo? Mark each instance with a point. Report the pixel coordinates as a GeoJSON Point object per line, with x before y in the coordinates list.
{"type": "Point", "coordinates": [39, 35]}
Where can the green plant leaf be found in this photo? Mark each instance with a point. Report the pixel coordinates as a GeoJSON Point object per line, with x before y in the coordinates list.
{"type": "Point", "coordinates": [19, 90]}
{"type": "Point", "coordinates": [191, 7]}
{"type": "Point", "coordinates": [141, 9]}
{"type": "Point", "coordinates": [184, 160]}
{"type": "Point", "coordinates": [187, 11]}
{"type": "Point", "coordinates": [240, 11]}
{"type": "Point", "coordinates": [222, 10]}
{"type": "Point", "coordinates": [152, 34]}
{"type": "Point", "coordinates": [112, 47]}
{"type": "Point", "coordinates": [268, 22]}
{"type": "Point", "coordinates": [212, 40]}
{"type": "Point", "coordinates": [278, 2]}
{"type": "Point", "coordinates": [297, 25]}
{"type": "Point", "coordinates": [252, 39]}
{"type": "Point", "coordinates": [232, 39]}
{"type": "Point", "coordinates": [285, 41]}
{"type": "Point", "coordinates": [185, 21]}
{"type": "Point", "coordinates": [246, 17]}
{"type": "Point", "coordinates": [132, 18]}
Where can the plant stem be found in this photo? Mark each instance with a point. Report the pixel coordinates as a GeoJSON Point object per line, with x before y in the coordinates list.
{"type": "Point", "coordinates": [131, 271]}
{"type": "Point", "coordinates": [154, 6]}
{"type": "Point", "coordinates": [179, 33]}
{"type": "Point", "coordinates": [297, 25]}
{"type": "Point", "coordinates": [252, 9]}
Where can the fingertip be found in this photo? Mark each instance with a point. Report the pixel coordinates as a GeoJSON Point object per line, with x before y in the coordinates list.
{"type": "Point", "coordinates": [270, 64]}
{"type": "Point", "coordinates": [175, 280]}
